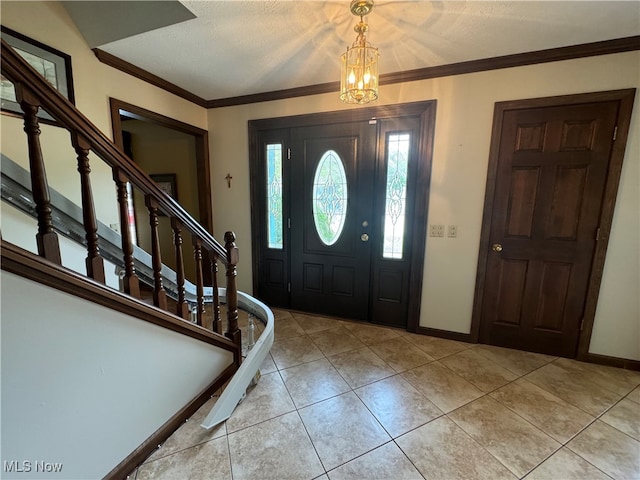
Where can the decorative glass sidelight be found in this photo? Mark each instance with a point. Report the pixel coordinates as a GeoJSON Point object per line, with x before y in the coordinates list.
{"type": "Point", "coordinates": [329, 197]}
{"type": "Point", "coordinates": [396, 196]}
{"type": "Point", "coordinates": [274, 195]}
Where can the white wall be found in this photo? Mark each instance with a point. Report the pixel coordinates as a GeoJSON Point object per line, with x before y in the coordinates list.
{"type": "Point", "coordinates": [86, 385]}
{"type": "Point", "coordinates": [20, 229]}
{"type": "Point", "coordinates": [461, 151]}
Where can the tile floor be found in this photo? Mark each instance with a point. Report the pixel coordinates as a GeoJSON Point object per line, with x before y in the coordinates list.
{"type": "Point", "coordinates": [342, 400]}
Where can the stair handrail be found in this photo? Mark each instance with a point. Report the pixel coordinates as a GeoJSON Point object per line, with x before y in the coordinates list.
{"type": "Point", "coordinates": [33, 92]}
{"type": "Point", "coordinates": [19, 71]}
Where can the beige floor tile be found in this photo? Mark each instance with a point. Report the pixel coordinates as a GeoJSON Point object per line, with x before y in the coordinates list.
{"type": "Point", "coordinates": [313, 324]}
{"type": "Point", "coordinates": [566, 465]}
{"type": "Point", "coordinates": [478, 370]}
{"type": "Point", "coordinates": [613, 452]}
{"type": "Point", "coordinates": [266, 400]}
{"type": "Point", "coordinates": [371, 334]}
{"type": "Point", "coordinates": [617, 380]}
{"type": "Point", "coordinates": [576, 390]}
{"type": "Point", "coordinates": [286, 327]}
{"type": "Point", "coordinates": [342, 429]}
{"type": "Point", "coordinates": [625, 416]}
{"type": "Point", "coordinates": [276, 449]}
{"type": "Point", "coordinates": [397, 405]}
{"type": "Point", "coordinates": [436, 347]}
{"type": "Point", "coordinates": [294, 351]}
{"type": "Point", "coordinates": [312, 382]}
{"type": "Point", "coordinates": [383, 463]}
{"type": "Point", "coordinates": [441, 450]}
{"type": "Point", "coordinates": [190, 433]}
{"type": "Point", "coordinates": [361, 366]}
{"type": "Point", "coordinates": [549, 413]}
{"type": "Point", "coordinates": [194, 462]}
{"type": "Point", "coordinates": [280, 313]}
{"type": "Point", "coordinates": [400, 354]}
{"type": "Point", "coordinates": [444, 388]}
{"type": "Point", "coordinates": [516, 361]}
{"type": "Point", "coordinates": [334, 341]}
{"type": "Point", "coordinates": [268, 365]}
{"type": "Point", "coordinates": [634, 396]}
{"type": "Point", "coordinates": [515, 442]}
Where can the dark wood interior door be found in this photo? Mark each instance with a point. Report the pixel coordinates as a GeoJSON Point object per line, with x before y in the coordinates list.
{"type": "Point", "coordinates": [332, 175]}
{"type": "Point", "coordinates": [551, 175]}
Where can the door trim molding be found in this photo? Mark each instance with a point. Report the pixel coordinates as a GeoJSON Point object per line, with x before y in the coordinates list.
{"type": "Point", "coordinates": [625, 100]}
{"type": "Point", "coordinates": [426, 111]}
{"type": "Point", "coordinates": [202, 148]}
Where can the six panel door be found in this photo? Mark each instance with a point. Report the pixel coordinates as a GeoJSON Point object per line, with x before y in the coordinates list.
{"type": "Point", "coordinates": [552, 169]}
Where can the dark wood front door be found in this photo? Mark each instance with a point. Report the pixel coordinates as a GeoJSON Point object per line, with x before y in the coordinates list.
{"type": "Point", "coordinates": [339, 203]}
{"type": "Point", "coordinates": [550, 180]}
{"type": "Point", "coordinates": [331, 218]}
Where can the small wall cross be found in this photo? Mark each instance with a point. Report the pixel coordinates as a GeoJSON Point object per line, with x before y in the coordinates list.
{"type": "Point", "coordinates": [228, 179]}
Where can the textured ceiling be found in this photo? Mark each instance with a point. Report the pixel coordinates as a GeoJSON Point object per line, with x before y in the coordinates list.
{"type": "Point", "coordinates": [240, 47]}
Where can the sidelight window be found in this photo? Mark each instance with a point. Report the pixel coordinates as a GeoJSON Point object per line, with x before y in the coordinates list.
{"type": "Point", "coordinates": [396, 195]}
{"type": "Point", "coordinates": [329, 197]}
{"type": "Point", "coordinates": [274, 195]}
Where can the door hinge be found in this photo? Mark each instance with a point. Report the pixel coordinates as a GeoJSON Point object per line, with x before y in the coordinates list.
{"type": "Point", "coordinates": [615, 132]}
{"type": "Point", "coordinates": [289, 153]}
{"type": "Point", "coordinates": [289, 287]}
{"type": "Point", "coordinates": [289, 223]}
{"type": "Point", "coordinates": [597, 234]}
{"type": "Point", "coordinates": [581, 324]}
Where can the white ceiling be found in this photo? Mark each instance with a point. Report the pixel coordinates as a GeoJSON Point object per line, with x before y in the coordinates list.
{"type": "Point", "coordinates": [242, 47]}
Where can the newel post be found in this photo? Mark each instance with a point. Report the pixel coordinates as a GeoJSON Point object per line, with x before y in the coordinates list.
{"type": "Point", "coordinates": [233, 332]}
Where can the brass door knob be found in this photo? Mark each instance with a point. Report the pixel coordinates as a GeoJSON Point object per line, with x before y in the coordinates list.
{"type": "Point", "coordinates": [496, 247]}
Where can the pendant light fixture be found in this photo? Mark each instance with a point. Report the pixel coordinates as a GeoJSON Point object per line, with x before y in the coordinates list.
{"type": "Point", "coordinates": [359, 79]}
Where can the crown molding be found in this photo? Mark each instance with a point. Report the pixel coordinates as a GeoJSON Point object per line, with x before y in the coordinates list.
{"type": "Point", "coordinates": [604, 47]}
{"type": "Point", "coordinates": [148, 77]}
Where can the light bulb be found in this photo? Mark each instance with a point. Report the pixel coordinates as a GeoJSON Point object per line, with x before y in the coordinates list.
{"type": "Point", "coordinates": [352, 77]}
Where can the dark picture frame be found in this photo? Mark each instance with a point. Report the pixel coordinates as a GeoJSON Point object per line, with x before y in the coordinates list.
{"type": "Point", "coordinates": [52, 64]}
{"type": "Point", "coordinates": [167, 183]}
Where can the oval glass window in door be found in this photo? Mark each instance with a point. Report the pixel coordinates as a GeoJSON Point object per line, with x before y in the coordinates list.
{"type": "Point", "coordinates": [329, 201]}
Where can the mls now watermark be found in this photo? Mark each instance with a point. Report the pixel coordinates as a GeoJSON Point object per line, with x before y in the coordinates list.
{"type": "Point", "coordinates": [26, 466]}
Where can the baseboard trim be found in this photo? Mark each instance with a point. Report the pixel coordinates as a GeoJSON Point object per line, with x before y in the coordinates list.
{"type": "Point", "coordinates": [610, 361]}
{"type": "Point", "coordinates": [589, 357]}
{"type": "Point", "coordinates": [434, 332]}
{"type": "Point", "coordinates": [140, 454]}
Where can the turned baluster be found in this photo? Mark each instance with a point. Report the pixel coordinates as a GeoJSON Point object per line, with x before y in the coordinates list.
{"type": "Point", "coordinates": [233, 332]}
{"type": "Point", "coordinates": [46, 238]}
{"type": "Point", "coordinates": [94, 262]}
{"type": "Point", "coordinates": [182, 309]}
{"type": "Point", "coordinates": [159, 294]}
{"type": "Point", "coordinates": [217, 324]}
{"type": "Point", "coordinates": [130, 282]}
{"type": "Point", "coordinates": [197, 255]}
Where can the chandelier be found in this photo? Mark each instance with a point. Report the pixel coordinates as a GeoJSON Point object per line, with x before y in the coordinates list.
{"type": "Point", "coordinates": [359, 79]}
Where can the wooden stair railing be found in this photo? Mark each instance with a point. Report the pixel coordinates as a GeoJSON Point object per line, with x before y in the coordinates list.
{"type": "Point", "coordinates": [33, 93]}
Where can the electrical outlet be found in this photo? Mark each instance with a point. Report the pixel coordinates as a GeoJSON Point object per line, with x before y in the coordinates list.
{"type": "Point", "coordinates": [452, 231]}
{"type": "Point", "coordinates": [115, 227]}
{"type": "Point", "coordinates": [436, 230]}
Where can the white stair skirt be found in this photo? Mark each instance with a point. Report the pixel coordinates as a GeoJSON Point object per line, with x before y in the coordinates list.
{"type": "Point", "coordinates": [237, 387]}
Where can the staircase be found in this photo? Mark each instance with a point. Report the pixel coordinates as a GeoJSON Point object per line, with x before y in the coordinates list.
{"type": "Point", "coordinates": [102, 374]}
